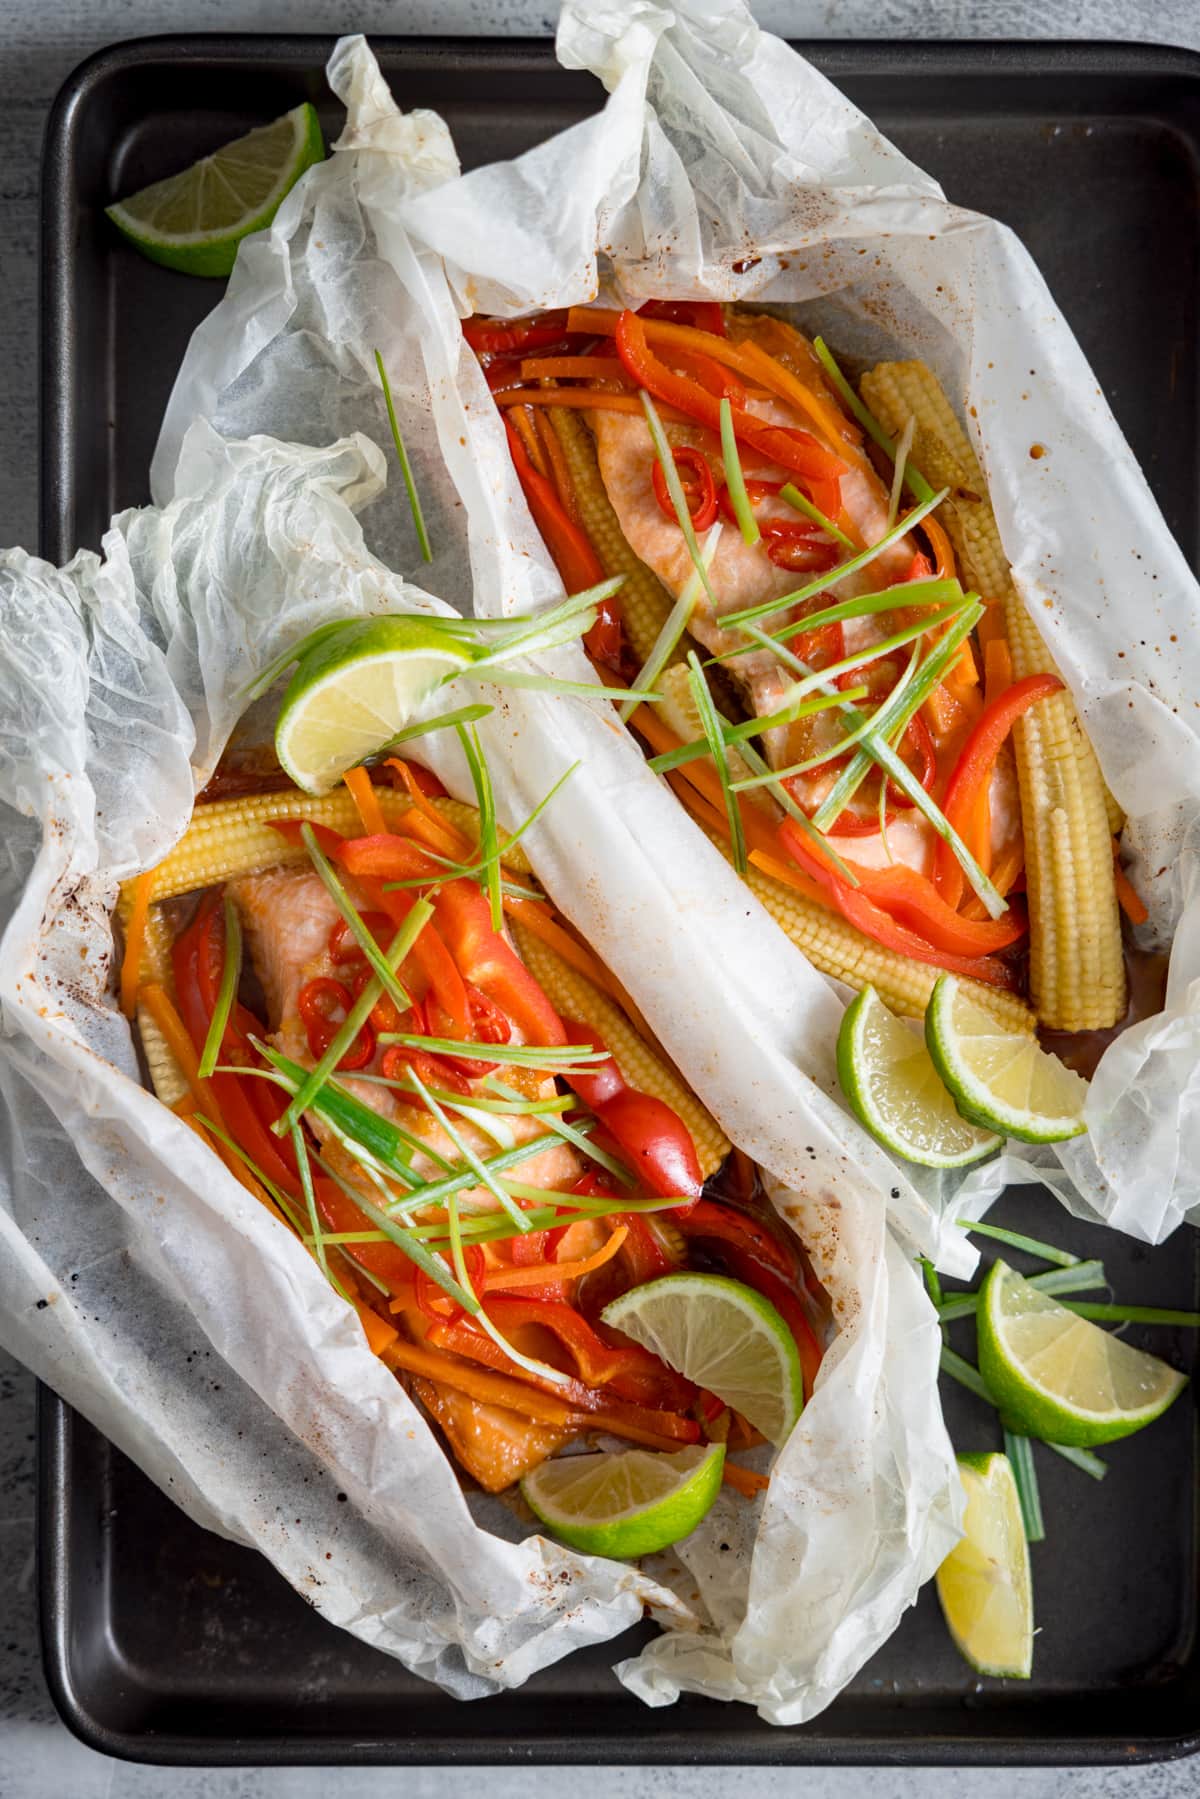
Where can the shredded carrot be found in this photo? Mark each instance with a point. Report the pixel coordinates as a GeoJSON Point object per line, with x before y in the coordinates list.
{"type": "Point", "coordinates": [790, 877]}
{"type": "Point", "coordinates": [542, 1274]}
{"type": "Point", "coordinates": [944, 566]}
{"type": "Point", "coordinates": [379, 1333]}
{"type": "Point", "coordinates": [1128, 898]}
{"type": "Point", "coordinates": [991, 625]}
{"type": "Point", "coordinates": [744, 1480]}
{"type": "Point", "coordinates": [788, 386]}
{"type": "Point", "coordinates": [158, 1003]}
{"type": "Point", "coordinates": [135, 939]}
{"type": "Point", "coordinates": [488, 1388]}
{"type": "Point", "coordinates": [453, 840]}
{"type": "Point", "coordinates": [703, 776]}
{"type": "Point", "coordinates": [591, 399]}
{"type": "Point", "coordinates": [556, 462]}
{"type": "Point", "coordinates": [538, 922]}
{"type": "Point", "coordinates": [1003, 877]}
{"type": "Point", "coordinates": [997, 669]}
{"type": "Point", "coordinates": [522, 423]}
{"type": "Point", "coordinates": [575, 368]}
{"type": "Point", "coordinates": [367, 801]}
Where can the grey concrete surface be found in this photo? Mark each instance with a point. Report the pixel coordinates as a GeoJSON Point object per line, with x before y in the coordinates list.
{"type": "Point", "coordinates": [40, 42]}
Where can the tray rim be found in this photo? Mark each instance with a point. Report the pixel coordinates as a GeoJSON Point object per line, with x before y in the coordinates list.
{"type": "Point", "coordinates": [55, 1420]}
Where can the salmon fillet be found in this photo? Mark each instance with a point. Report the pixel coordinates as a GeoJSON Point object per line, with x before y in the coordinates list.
{"type": "Point", "coordinates": [287, 916]}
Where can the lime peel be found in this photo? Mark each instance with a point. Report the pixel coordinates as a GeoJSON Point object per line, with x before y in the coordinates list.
{"type": "Point", "coordinates": [194, 221]}
{"type": "Point", "coordinates": [625, 1503]}
{"type": "Point", "coordinates": [725, 1337]}
{"type": "Point", "coordinates": [984, 1584]}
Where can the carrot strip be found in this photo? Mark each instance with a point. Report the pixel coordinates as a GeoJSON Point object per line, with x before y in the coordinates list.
{"type": "Point", "coordinates": [543, 1274]}
{"type": "Point", "coordinates": [945, 567]}
{"type": "Point", "coordinates": [366, 800]}
{"type": "Point", "coordinates": [1003, 877]}
{"type": "Point", "coordinates": [1127, 895]}
{"type": "Point", "coordinates": [790, 876]}
{"type": "Point", "coordinates": [592, 399]}
{"type": "Point", "coordinates": [158, 1003]}
{"type": "Point", "coordinates": [379, 1333]}
{"type": "Point", "coordinates": [991, 625]}
{"type": "Point", "coordinates": [575, 368]}
{"type": "Point", "coordinates": [786, 385]}
{"type": "Point", "coordinates": [744, 1480]}
{"type": "Point", "coordinates": [997, 669]}
{"type": "Point", "coordinates": [556, 463]}
{"type": "Point", "coordinates": [135, 938]}
{"type": "Point", "coordinates": [512, 1395]}
{"type": "Point", "coordinates": [522, 423]}
{"type": "Point", "coordinates": [703, 776]}
{"type": "Point", "coordinates": [454, 841]}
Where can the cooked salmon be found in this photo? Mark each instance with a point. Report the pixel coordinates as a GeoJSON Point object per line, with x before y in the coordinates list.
{"type": "Point", "coordinates": [288, 916]}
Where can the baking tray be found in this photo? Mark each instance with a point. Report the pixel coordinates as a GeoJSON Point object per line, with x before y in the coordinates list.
{"type": "Point", "coordinates": [167, 1644]}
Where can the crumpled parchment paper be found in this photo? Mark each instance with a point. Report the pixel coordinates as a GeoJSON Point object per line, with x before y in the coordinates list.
{"type": "Point", "coordinates": [139, 1279]}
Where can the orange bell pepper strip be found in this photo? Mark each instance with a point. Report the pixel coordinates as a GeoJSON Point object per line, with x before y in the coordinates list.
{"type": "Point", "coordinates": [860, 910]}
{"type": "Point", "coordinates": [135, 937]}
{"type": "Point", "coordinates": [973, 771]}
{"type": "Point", "coordinates": [792, 449]}
{"type": "Point", "coordinates": [551, 1274]}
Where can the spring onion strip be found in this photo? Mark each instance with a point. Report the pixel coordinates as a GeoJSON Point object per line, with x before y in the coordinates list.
{"type": "Point", "coordinates": [562, 1102]}
{"type": "Point", "coordinates": [405, 466]}
{"type": "Point", "coordinates": [851, 567]}
{"type": "Point", "coordinates": [710, 724]}
{"type": "Point", "coordinates": [490, 1227]}
{"type": "Point", "coordinates": [531, 633]}
{"type": "Point", "coordinates": [1119, 1314]}
{"type": "Point", "coordinates": [462, 715]}
{"type": "Point", "coordinates": [363, 1132]}
{"type": "Point", "coordinates": [753, 727]}
{"type": "Point", "coordinates": [872, 652]}
{"type": "Point", "coordinates": [1019, 1451]}
{"type": "Point", "coordinates": [482, 1172]}
{"type": "Point", "coordinates": [903, 451]}
{"type": "Point", "coordinates": [1081, 1458]}
{"type": "Point", "coordinates": [904, 778]}
{"type": "Point", "coordinates": [550, 1057]}
{"type": "Point", "coordinates": [572, 690]}
{"type": "Point", "coordinates": [570, 1134]}
{"type": "Point", "coordinates": [675, 625]}
{"type": "Point", "coordinates": [914, 480]}
{"type": "Point", "coordinates": [357, 1016]}
{"type": "Point", "coordinates": [863, 605]}
{"type": "Point", "coordinates": [962, 1371]}
{"type": "Point", "coordinates": [735, 480]}
{"type": "Point", "coordinates": [231, 974]}
{"type": "Point", "coordinates": [275, 667]}
{"type": "Point", "coordinates": [933, 1282]}
{"type": "Point", "coordinates": [791, 493]}
{"type": "Point", "coordinates": [666, 461]}
{"type": "Point", "coordinates": [1046, 1252]}
{"type": "Point", "coordinates": [523, 1191]}
{"type": "Point", "coordinates": [485, 799]}
{"type": "Point", "coordinates": [775, 786]}
{"type": "Point", "coordinates": [352, 918]}
{"type": "Point", "coordinates": [1076, 1279]}
{"type": "Point", "coordinates": [435, 1193]}
{"type": "Point", "coordinates": [310, 1198]}
{"type": "Point", "coordinates": [861, 730]}
{"type": "Point", "coordinates": [287, 1208]}
{"type": "Point", "coordinates": [417, 1252]}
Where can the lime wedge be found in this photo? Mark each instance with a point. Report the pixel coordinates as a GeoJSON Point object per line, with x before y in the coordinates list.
{"type": "Point", "coordinates": [627, 1502]}
{"type": "Point", "coordinates": [725, 1337]}
{"type": "Point", "coordinates": [194, 221]}
{"type": "Point", "coordinates": [984, 1583]}
{"type": "Point", "coordinates": [1058, 1376]}
{"type": "Point", "coordinates": [355, 688]}
{"type": "Point", "coordinates": [1000, 1080]}
{"type": "Point", "coordinates": [894, 1090]}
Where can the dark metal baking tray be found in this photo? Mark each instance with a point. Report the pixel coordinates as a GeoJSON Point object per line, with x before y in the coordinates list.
{"type": "Point", "coordinates": [164, 1643]}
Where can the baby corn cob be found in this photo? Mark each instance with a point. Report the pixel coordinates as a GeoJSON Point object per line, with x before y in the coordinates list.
{"type": "Point", "coordinates": [829, 941]}
{"type": "Point", "coordinates": [1077, 970]}
{"type": "Point", "coordinates": [574, 996]}
{"type": "Point", "coordinates": [228, 838]}
{"type": "Point", "coordinates": [645, 602]}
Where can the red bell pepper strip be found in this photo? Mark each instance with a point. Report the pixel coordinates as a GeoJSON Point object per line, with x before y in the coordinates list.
{"type": "Point", "coordinates": [574, 557]}
{"type": "Point", "coordinates": [197, 958]}
{"type": "Point", "coordinates": [916, 902]}
{"type": "Point", "coordinates": [653, 1138]}
{"type": "Point", "coordinates": [701, 315]}
{"type": "Point", "coordinates": [793, 450]}
{"type": "Point", "coordinates": [860, 910]}
{"type": "Point", "coordinates": [973, 770]}
{"type": "Point", "coordinates": [485, 960]}
{"type": "Point", "coordinates": [501, 337]}
{"type": "Point", "coordinates": [629, 1370]}
{"type": "Point", "coordinates": [699, 487]}
{"type": "Point", "coordinates": [725, 1223]}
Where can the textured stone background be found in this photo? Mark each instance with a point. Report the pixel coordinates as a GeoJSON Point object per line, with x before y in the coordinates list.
{"type": "Point", "coordinates": [40, 42]}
